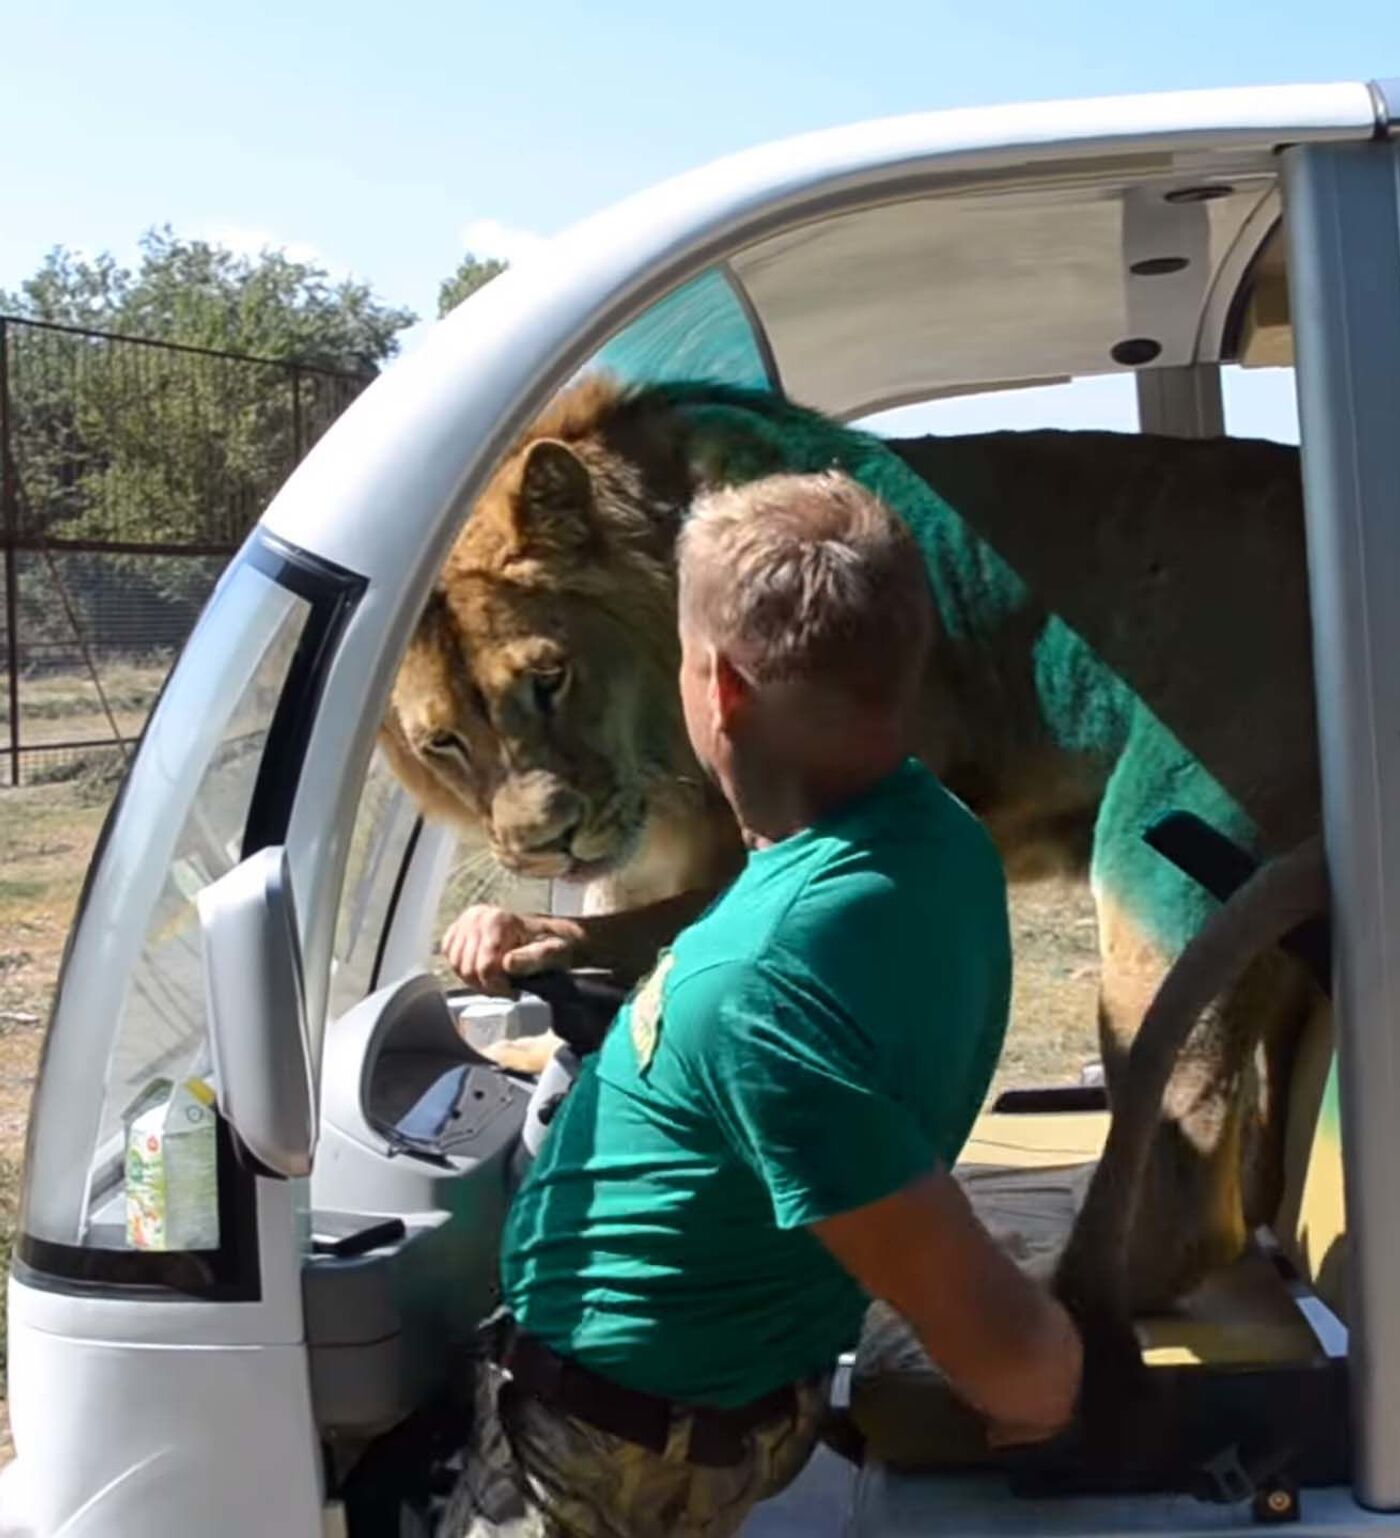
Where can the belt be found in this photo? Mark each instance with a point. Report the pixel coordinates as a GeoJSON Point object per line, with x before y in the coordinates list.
{"type": "Point", "coordinates": [717, 1436]}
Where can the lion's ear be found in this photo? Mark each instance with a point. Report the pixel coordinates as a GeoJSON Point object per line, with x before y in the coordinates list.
{"type": "Point", "coordinates": [433, 614]}
{"type": "Point", "coordinates": [555, 502]}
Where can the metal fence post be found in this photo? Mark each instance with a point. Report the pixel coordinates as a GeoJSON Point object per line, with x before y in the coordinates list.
{"type": "Point", "coordinates": [9, 511]}
{"type": "Point", "coordinates": [46, 463]}
{"type": "Point", "coordinates": [296, 415]}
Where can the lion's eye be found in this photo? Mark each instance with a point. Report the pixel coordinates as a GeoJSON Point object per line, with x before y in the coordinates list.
{"type": "Point", "coordinates": [447, 744]}
{"type": "Point", "coordinates": [548, 686]}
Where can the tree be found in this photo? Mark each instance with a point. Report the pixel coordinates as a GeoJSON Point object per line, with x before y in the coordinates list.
{"type": "Point", "coordinates": [471, 275]}
{"type": "Point", "coordinates": [203, 295]}
{"type": "Point", "coordinates": [134, 445]}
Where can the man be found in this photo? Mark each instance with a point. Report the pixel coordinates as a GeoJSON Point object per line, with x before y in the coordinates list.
{"type": "Point", "coordinates": [763, 1142]}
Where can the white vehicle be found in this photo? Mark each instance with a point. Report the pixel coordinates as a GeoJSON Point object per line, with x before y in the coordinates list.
{"type": "Point", "coordinates": [273, 1368]}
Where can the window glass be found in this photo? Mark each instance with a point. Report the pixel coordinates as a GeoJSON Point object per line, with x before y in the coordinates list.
{"type": "Point", "coordinates": [382, 847]}
{"type": "Point", "coordinates": [379, 845]}
{"type": "Point", "coordinates": [122, 1152]}
{"type": "Point", "coordinates": [699, 331]}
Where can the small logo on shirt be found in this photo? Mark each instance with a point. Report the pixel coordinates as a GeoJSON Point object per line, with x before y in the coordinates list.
{"type": "Point", "coordinates": [646, 1011]}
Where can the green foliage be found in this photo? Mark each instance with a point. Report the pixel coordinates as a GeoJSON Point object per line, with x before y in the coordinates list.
{"type": "Point", "coordinates": [117, 441]}
{"type": "Point", "coordinates": [471, 275]}
{"type": "Point", "coordinates": [203, 295]}
{"type": "Point", "coordinates": [121, 442]}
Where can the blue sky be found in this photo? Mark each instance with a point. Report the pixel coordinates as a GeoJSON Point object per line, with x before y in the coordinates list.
{"type": "Point", "coordinates": [384, 138]}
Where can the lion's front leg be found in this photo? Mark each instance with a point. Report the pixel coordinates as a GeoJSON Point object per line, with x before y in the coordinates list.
{"type": "Point", "coordinates": [1189, 1216]}
{"type": "Point", "coordinates": [1215, 1168]}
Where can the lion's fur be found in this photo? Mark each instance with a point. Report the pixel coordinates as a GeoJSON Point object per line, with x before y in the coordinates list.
{"type": "Point", "coordinates": [519, 579]}
{"type": "Point", "coordinates": [1123, 629]}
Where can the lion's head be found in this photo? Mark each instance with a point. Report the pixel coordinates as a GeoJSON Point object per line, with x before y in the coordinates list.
{"type": "Point", "coordinates": [538, 701]}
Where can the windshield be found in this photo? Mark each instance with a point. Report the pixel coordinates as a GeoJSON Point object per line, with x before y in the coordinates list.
{"type": "Point", "coordinates": [415, 881]}
{"type": "Point", "coordinates": [127, 1050]}
{"type": "Point", "coordinates": [384, 838]}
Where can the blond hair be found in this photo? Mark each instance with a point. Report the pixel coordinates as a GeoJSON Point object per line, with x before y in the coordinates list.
{"type": "Point", "coordinates": [808, 578]}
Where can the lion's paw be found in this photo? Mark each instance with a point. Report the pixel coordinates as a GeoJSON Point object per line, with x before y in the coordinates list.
{"type": "Point", "coordinates": [523, 1054]}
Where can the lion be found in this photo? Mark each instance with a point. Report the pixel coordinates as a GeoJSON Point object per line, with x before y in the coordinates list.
{"type": "Point", "coordinates": [537, 701]}
{"type": "Point", "coordinates": [1122, 630]}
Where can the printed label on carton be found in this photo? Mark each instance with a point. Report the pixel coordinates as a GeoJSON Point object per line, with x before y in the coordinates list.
{"type": "Point", "coordinates": [172, 1181]}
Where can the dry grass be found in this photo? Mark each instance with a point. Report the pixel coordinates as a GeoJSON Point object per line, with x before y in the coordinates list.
{"type": "Point", "coordinates": [46, 838]}
{"type": "Point", "coordinates": [1052, 1034]}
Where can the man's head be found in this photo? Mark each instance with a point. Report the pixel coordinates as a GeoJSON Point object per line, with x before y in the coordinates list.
{"type": "Point", "coordinates": [805, 620]}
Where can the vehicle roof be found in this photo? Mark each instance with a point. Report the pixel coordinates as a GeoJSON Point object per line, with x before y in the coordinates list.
{"type": "Point", "coordinates": [881, 263]}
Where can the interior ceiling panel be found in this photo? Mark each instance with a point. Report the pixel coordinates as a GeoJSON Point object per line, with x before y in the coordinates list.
{"type": "Point", "coordinates": [914, 299]}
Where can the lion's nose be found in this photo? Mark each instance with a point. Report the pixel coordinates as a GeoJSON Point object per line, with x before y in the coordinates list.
{"type": "Point", "coordinates": [536, 814]}
{"type": "Point", "coordinates": [537, 841]}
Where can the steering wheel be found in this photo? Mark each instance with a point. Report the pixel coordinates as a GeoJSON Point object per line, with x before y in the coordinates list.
{"type": "Point", "coordinates": [583, 1004]}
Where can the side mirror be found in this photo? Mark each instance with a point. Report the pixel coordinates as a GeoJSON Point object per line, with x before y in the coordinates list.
{"type": "Point", "coordinates": [256, 1007]}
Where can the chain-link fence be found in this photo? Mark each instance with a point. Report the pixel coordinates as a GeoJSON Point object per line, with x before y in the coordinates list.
{"type": "Point", "coordinates": [132, 470]}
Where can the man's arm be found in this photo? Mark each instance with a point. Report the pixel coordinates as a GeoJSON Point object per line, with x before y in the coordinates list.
{"type": "Point", "coordinates": [627, 942]}
{"type": "Point", "coordinates": [1006, 1346]}
{"type": "Point", "coordinates": [491, 948]}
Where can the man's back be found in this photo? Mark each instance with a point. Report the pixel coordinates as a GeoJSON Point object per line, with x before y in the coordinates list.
{"type": "Point", "coordinates": [822, 1036]}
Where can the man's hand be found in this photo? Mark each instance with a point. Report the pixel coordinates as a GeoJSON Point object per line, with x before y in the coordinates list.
{"type": "Point", "coordinates": [1006, 1346]}
{"type": "Point", "coordinates": [490, 948]}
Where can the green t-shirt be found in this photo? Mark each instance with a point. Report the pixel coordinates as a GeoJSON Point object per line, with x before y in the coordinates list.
{"type": "Point", "coordinates": [821, 1036]}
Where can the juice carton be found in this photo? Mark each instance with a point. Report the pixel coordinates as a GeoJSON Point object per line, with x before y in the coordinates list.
{"type": "Point", "coordinates": [172, 1183]}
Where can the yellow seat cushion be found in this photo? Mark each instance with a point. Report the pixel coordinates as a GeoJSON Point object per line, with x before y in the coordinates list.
{"type": "Point", "coordinates": [1042, 1139]}
{"type": "Point", "coordinates": [1026, 1176]}
{"type": "Point", "coordinates": [1241, 1316]}
{"type": "Point", "coordinates": [910, 1420]}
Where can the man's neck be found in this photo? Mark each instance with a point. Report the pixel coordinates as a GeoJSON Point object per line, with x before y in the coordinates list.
{"type": "Point", "coordinates": [777, 805]}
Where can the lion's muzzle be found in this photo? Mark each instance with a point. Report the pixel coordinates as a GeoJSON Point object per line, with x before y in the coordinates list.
{"type": "Point", "coordinates": [545, 828]}
{"type": "Point", "coordinates": [534, 817]}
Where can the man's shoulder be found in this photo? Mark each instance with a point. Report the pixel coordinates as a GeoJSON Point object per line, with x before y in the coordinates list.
{"type": "Point", "coordinates": [924, 899]}
{"type": "Point", "coordinates": [926, 852]}
{"type": "Point", "coordinates": [918, 884]}
{"type": "Point", "coordinates": [937, 814]}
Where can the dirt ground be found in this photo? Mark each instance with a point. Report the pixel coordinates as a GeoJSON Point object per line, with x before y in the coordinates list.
{"type": "Point", "coordinates": [46, 836]}
{"type": "Point", "coordinates": [47, 833]}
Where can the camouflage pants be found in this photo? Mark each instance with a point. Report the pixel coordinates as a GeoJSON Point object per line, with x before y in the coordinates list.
{"type": "Point", "coordinates": [532, 1472]}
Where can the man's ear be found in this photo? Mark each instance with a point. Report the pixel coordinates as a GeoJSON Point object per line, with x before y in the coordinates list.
{"type": "Point", "coordinates": [554, 506]}
{"type": "Point", "coordinates": [730, 692]}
